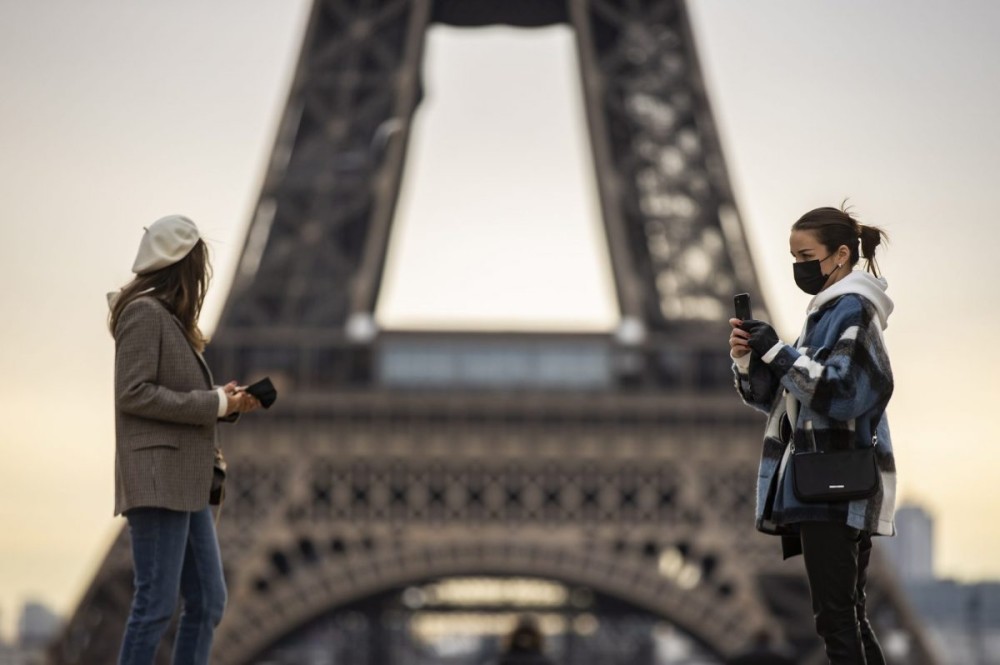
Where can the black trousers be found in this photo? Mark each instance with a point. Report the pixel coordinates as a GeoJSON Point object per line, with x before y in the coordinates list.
{"type": "Point", "coordinates": [836, 558]}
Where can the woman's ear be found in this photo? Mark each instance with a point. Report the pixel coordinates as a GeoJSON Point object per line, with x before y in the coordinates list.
{"type": "Point", "coordinates": [843, 255]}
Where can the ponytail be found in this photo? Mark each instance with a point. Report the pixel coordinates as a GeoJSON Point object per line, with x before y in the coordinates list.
{"type": "Point", "coordinates": [871, 237]}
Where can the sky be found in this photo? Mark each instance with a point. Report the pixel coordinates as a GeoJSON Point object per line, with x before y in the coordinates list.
{"type": "Point", "coordinates": [113, 114]}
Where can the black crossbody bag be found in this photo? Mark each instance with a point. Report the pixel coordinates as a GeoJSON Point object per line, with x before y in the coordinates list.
{"type": "Point", "coordinates": [836, 475]}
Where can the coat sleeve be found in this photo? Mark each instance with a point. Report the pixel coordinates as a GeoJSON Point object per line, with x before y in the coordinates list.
{"type": "Point", "coordinates": [138, 336]}
{"type": "Point", "coordinates": [757, 386]}
{"type": "Point", "coordinates": [232, 417]}
{"type": "Point", "coordinates": [853, 378]}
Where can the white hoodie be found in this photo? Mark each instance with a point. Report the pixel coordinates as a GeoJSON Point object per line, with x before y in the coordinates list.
{"type": "Point", "coordinates": [862, 283]}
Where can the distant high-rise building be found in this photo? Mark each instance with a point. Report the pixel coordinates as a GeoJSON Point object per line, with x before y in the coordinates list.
{"type": "Point", "coordinates": [912, 550]}
{"type": "Point", "coordinates": [38, 625]}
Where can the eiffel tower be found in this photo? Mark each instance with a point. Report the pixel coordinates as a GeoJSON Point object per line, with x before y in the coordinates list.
{"type": "Point", "coordinates": [418, 484]}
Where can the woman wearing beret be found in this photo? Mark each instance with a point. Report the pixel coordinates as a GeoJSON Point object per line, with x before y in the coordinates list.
{"type": "Point", "coordinates": [166, 412]}
{"type": "Point", "coordinates": [828, 390]}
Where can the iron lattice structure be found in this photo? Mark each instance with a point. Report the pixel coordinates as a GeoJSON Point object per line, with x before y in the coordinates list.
{"type": "Point", "coordinates": [619, 463]}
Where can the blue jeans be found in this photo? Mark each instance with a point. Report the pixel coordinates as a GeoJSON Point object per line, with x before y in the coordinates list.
{"type": "Point", "coordinates": [174, 553]}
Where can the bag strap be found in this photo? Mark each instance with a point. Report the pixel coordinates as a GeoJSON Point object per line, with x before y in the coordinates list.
{"type": "Point", "coordinates": [811, 439]}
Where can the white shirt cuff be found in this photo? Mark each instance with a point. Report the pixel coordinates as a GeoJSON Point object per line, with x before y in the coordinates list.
{"type": "Point", "coordinates": [773, 351]}
{"type": "Point", "coordinates": [223, 402]}
{"type": "Point", "coordinates": [742, 363]}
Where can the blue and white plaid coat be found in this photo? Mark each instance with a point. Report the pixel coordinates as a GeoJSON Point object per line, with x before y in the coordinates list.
{"type": "Point", "coordinates": [838, 373]}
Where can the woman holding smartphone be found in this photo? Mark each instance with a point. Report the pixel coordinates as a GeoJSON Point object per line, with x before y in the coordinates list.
{"type": "Point", "coordinates": [831, 388]}
{"type": "Point", "coordinates": [166, 412]}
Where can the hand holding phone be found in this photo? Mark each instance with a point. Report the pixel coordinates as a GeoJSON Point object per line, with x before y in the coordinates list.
{"type": "Point", "coordinates": [263, 390]}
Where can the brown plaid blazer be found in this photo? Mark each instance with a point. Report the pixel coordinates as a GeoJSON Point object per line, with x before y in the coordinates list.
{"type": "Point", "coordinates": [166, 412]}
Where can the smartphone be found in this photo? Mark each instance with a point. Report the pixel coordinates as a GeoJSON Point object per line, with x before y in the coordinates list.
{"type": "Point", "coordinates": [743, 309]}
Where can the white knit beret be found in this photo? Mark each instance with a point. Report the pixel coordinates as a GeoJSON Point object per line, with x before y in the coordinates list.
{"type": "Point", "coordinates": [166, 241]}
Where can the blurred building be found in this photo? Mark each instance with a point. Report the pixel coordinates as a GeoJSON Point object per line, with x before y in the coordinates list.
{"type": "Point", "coordinates": [912, 550]}
{"type": "Point", "coordinates": [963, 619]}
{"type": "Point", "coordinates": [36, 628]}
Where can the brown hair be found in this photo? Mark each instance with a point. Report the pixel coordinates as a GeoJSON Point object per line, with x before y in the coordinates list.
{"type": "Point", "coordinates": [834, 228]}
{"type": "Point", "coordinates": [181, 288]}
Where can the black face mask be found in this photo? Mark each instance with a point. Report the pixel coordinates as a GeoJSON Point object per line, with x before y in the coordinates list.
{"type": "Point", "coordinates": [809, 275]}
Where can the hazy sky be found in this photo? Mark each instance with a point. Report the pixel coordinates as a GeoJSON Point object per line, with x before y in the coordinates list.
{"type": "Point", "coordinates": [113, 114]}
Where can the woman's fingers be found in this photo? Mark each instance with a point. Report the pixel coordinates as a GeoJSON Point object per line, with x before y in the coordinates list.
{"type": "Point", "coordinates": [738, 339]}
{"type": "Point", "coordinates": [248, 403]}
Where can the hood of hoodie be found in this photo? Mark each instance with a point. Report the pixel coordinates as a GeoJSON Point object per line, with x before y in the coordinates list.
{"type": "Point", "coordinates": [863, 284]}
